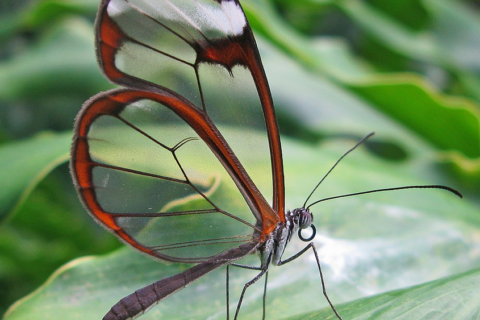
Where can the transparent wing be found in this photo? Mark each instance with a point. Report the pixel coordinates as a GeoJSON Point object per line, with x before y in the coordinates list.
{"type": "Point", "coordinates": [152, 168]}
{"type": "Point", "coordinates": [204, 51]}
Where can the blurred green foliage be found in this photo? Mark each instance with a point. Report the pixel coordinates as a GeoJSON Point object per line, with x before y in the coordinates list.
{"type": "Point", "coordinates": [409, 70]}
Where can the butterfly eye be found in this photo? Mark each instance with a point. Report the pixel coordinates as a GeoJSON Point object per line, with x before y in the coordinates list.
{"type": "Point", "coordinates": [306, 219]}
{"type": "Point", "coordinates": [301, 217]}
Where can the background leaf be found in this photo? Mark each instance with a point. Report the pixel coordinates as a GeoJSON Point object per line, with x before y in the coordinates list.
{"type": "Point", "coordinates": [451, 297]}
{"type": "Point", "coordinates": [24, 164]}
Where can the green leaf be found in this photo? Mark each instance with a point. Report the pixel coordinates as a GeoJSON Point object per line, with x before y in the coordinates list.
{"type": "Point", "coordinates": [454, 297]}
{"type": "Point", "coordinates": [367, 245]}
{"type": "Point", "coordinates": [24, 164]}
{"type": "Point", "coordinates": [428, 113]}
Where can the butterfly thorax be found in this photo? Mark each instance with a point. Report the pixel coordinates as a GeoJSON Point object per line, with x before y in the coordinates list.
{"type": "Point", "coordinates": [276, 242]}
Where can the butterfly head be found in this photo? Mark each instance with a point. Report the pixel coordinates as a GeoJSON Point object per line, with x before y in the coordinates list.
{"type": "Point", "coordinates": [302, 218]}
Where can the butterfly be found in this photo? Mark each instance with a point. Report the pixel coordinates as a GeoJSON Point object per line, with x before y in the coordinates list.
{"type": "Point", "coordinates": [151, 161]}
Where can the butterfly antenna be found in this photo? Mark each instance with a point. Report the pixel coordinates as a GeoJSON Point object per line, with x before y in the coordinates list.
{"type": "Point", "coordinates": [391, 189]}
{"type": "Point", "coordinates": [331, 169]}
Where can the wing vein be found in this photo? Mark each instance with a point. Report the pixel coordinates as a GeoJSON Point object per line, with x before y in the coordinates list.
{"type": "Point", "coordinates": [198, 243]}
{"type": "Point", "coordinates": [163, 214]}
{"type": "Point", "coordinates": [152, 175]}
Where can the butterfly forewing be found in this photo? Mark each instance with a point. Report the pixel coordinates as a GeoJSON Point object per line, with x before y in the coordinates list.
{"type": "Point", "coordinates": [204, 51]}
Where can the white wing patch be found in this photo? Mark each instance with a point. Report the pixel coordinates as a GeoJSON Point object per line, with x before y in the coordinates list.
{"type": "Point", "coordinates": [207, 17]}
{"type": "Point", "coordinates": [227, 19]}
{"type": "Point", "coordinates": [235, 15]}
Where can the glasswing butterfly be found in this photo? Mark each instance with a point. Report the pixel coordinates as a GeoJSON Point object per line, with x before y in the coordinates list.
{"type": "Point", "coordinates": [183, 64]}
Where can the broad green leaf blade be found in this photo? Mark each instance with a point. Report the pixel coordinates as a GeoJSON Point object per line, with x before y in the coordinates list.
{"type": "Point", "coordinates": [454, 297]}
{"type": "Point", "coordinates": [367, 245]}
{"type": "Point", "coordinates": [23, 164]}
{"type": "Point", "coordinates": [85, 285]}
{"type": "Point", "coordinates": [428, 113]}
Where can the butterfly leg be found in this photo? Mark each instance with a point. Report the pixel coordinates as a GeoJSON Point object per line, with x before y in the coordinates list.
{"type": "Point", "coordinates": [311, 245]}
{"type": "Point", "coordinates": [264, 295]}
{"type": "Point", "coordinates": [227, 283]}
{"type": "Point", "coordinates": [257, 277]}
